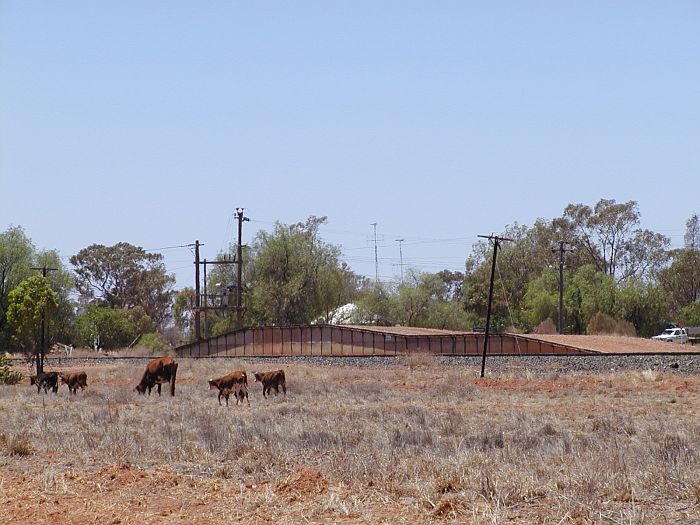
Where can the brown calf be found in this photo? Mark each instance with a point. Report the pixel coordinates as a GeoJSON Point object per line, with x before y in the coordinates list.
{"type": "Point", "coordinates": [272, 380]}
{"type": "Point", "coordinates": [158, 371]}
{"type": "Point", "coordinates": [74, 380]}
{"type": "Point", "coordinates": [233, 383]}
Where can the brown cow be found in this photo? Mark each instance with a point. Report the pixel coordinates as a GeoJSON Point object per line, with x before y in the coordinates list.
{"type": "Point", "coordinates": [233, 383]}
{"type": "Point", "coordinates": [272, 380]}
{"type": "Point", "coordinates": [74, 380]}
{"type": "Point", "coordinates": [45, 380]}
{"type": "Point", "coordinates": [158, 371]}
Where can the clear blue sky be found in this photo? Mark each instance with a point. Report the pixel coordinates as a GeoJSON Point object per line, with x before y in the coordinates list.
{"type": "Point", "coordinates": [149, 122]}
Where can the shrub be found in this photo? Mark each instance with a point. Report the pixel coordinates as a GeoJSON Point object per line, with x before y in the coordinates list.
{"type": "Point", "coordinates": [603, 324]}
{"type": "Point", "coordinates": [546, 327]}
{"type": "Point", "coordinates": [7, 375]}
{"type": "Point", "coordinates": [154, 342]}
{"type": "Point", "coordinates": [19, 446]}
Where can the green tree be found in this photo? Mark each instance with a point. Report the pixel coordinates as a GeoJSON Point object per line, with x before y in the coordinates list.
{"type": "Point", "coordinates": [16, 260]}
{"type": "Point", "coordinates": [124, 276]}
{"type": "Point", "coordinates": [31, 304]}
{"type": "Point", "coordinates": [376, 305]}
{"type": "Point", "coordinates": [110, 328]}
{"type": "Point", "coordinates": [681, 279]}
{"type": "Point", "coordinates": [589, 292]}
{"type": "Point", "coordinates": [689, 315]}
{"type": "Point", "coordinates": [643, 304]}
{"type": "Point", "coordinates": [424, 300]}
{"type": "Point", "coordinates": [609, 238]}
{"type": "Point", "coordinates": [541, 299]}
{"type": "Point", "coordinates": [62, 282]}
{"type": "Point", "coordinates": [519, 261]}
{"type": "Point", "coordinates": [183, 312]}
{"type": "Point", "coordinates": [294, 277]}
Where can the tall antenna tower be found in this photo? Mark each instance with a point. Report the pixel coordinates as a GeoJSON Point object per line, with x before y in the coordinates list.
{"type": "Point", "coordinates": [401, 258]}
{"type": "Point", "coordinates": [376, 258]}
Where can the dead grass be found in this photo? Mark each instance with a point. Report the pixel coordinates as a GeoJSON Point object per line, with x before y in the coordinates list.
{"type": "Point", "coordinates": [415, 443]}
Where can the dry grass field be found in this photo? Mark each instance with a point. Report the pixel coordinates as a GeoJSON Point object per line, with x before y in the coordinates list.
{"type": "Point", "coordinates": [416, 442]}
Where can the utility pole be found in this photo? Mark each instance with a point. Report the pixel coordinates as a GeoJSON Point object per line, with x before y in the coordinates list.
{"type": "Point", "coordinates": [239, 269]}
{"type": "Point", "coordinates": [197, 298]}
{"type": "Point", "coordinates": [42, 350]}
{"type": "Point", "coordinates": [206, 303]}
{"type": "Point", "coordinates": [561, 250]}
{"type": "Point", "coordinates": [496, 243]}
{"type": "Point", "coordinates": [376, 258]}
{"type": "Point", "coordinates": [401, 258]}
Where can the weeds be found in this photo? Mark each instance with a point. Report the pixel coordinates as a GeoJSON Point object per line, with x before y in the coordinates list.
{"type": "Point", "coordinates": [7, 375]}
{"type": "Point", "coordinates": [20, 445]}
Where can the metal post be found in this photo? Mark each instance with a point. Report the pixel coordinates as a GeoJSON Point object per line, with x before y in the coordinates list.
{"type": "Point", "coordinates": [197, 299]}
{"type": "Point", "coordinates": [239, 269]}
{"type": "Point", "coordinates": [206, 303]}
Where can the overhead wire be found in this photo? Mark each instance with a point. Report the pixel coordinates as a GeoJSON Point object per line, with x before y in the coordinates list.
{"type": "Point", "coordinates": [510, 312]}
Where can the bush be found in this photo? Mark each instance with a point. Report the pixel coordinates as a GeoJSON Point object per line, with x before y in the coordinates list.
{"type": "Point", "coordinates": [546, 327]}
{"type": "Point", "coordinates": [603, 324]}
{"type": "Point", "coordinates": [7, 375]}
{"type": "Point", "coordinates": [154, 342]}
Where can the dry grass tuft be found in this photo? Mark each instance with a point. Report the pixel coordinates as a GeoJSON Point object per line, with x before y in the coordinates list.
{"type": "Point", "coordinates": [420, 360]}
{"type": "Point", "coordinates": [19, 445]}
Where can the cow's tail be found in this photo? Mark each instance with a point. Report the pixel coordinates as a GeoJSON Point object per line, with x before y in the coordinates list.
{"type": "Point", "coordinates": [172, 380]}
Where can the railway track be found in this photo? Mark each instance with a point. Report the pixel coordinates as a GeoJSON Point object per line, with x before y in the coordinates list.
{"type": "Point", "coordinates": [677, 362]}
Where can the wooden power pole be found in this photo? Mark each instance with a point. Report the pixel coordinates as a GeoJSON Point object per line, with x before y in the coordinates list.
{"type": "Point", "coordinates": [496, 243]}
{"type": "Point", "coordinates": [41, 354]}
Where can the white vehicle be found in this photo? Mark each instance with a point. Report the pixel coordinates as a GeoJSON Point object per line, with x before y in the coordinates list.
{"type": "Point", "coordinates": [673, 335]}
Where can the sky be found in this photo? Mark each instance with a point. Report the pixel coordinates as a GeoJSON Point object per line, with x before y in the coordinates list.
{"type": "Point", "coordinates": [150, 122]}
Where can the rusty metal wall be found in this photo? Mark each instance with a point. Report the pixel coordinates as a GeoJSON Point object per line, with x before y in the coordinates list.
{"type": "Point", "coordinates": [334, 340]}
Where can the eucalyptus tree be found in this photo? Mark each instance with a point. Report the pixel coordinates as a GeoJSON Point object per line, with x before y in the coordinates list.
{"type": "Point", "coordinates": [16, 261]}
{"type": "Point", "coordinates": [292, 276]}
{"type": "Point", "coordinates": [124, 276]}
{"type": "Point", "coordinates": [609, 238]}
{"type": "Point", "coordinates": [681, 279]}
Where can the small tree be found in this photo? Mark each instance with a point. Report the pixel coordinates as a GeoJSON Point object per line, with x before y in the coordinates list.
{"type": "Point", "coordinates": [111, 327]}
{"type": "Point", "coordinates": [689, 315]}
{"type": "Point", "coordinates": [28, 311]}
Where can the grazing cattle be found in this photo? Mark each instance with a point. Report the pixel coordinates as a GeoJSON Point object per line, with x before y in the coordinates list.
{"type": "Point", "coordinates": [272, 380]}
{"type": "Point", "coordinates": [158, 371]}
{"type": "Point", "coordinates": [45, 380]}
{"type": "Point", "coordinates": [74, 380]}
{"type": "Point", "coordinates": [233, 383]}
